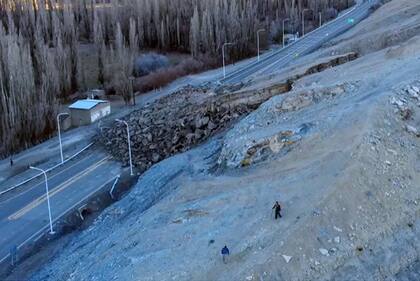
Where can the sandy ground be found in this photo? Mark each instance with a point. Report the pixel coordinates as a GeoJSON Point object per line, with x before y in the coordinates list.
{"type": "Point", "coordinates": [348, 184]}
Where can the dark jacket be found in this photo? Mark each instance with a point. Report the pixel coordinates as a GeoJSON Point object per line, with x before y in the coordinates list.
{"type": "Point", "coordinates": [277, 207]}
{"type": "Point", "coordinates": [225, 251]}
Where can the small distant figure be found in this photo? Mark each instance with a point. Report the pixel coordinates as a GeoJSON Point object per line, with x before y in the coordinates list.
{"type": "Point", "coordinates": [13, 255]}
{"type": "Point", "coordinates": [225, 254]}
{"type": "Point", "coordinates": [277, 209]}
{"type": "Point", "coordinates": [11, 161]}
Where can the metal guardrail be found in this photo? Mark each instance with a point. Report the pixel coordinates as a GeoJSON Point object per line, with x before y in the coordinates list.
{"type": "Point", "coordinates": [48, 170]}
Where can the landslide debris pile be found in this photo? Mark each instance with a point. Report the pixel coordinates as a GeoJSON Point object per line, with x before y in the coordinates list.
{"type": "Point", "coordinates": [176, 123]}
{"type": "Point", "coordinates": [172, 125]}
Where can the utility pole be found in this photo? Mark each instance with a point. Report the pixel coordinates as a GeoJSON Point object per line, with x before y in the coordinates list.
{"type": "Point", "coordinates": [283, 29]}
{"type": "Point", "coordinates": [48, 197]}
{"type": "Point", "coordinates": [131, 78]}
{"type": "Point", "coordinates": [303, 21]}
{"type": "Point", "coordinates": [223, 55]}
{"type": "Point", "coordinates": [59, 135]}
{"type": "Point", "coordinates": [129, 144]}
{"type": "Point", "coordinates": [258, 42]}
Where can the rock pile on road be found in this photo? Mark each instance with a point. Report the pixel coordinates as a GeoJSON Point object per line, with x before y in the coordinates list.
{"type": "Point", "coordinates": [179, 121]}
{"type": "Point", "coordinates": [172, 125]}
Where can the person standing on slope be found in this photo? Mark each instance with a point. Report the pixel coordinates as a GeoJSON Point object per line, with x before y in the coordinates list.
{"type": "Point", "coordinates": [225, 253]}
{"type": "Point", "coordinates": [277, 209]}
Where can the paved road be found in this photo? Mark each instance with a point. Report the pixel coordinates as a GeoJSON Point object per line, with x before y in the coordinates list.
{"type": "Point", "coordinates": [24, 216]}
{"type": "Point", "coordinates": [278, 59]}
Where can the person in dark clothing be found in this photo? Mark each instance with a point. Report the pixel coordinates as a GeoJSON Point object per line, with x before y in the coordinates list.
{"type": "Point", "coordinates": [11, 161]}
{"type": "Point", "coordinates": [277, 209]}
{"type": "Point", "coordinates": [225, 253]}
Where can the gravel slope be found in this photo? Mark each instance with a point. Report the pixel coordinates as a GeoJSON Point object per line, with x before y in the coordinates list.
{"type": "Point", "coordinates": [348, 183]}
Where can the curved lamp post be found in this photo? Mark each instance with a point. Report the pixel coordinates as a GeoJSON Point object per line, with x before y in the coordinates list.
{"type": "Point", "coordinates": [129, 143]}
{"type": "Point", "coordinates": [303, 21]}
{"type": "Point", "coordinates": [284, 21]}
{"type": "Point", "coordinates": [59, 134]}
{"type": "Point", "coordinates": [48, 196]}
{"type": "Point", "coordinates": [223, 55]}
{"type": "Point", "coordinates": [258, 42]}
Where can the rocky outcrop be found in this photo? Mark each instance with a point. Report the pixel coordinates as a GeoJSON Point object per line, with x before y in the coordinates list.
{"type": "Point", "coordinates": [261, 134]}
{"type": "Point", "coordinates": [405, 102]}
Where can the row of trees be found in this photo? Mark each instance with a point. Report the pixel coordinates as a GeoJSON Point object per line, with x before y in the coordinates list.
{"type": "Point", "coordinates": [33, 75]}
{"type": "Point", "coordinates": [40, 41]}
{"type": "Point", "coordinates": [202, 26]}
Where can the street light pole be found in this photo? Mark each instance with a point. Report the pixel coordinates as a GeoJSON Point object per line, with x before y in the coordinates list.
{"type": "Point", "coordinates": [283, 29]}
{"type": "Point", "coordinates": [48, 197]}
{"type": "Point", "coordinates": [131, 78]}
{"type": "Point", "coordinates": [129, 144]}
{"type": "Point", "coordinates": [303, 21]}
{"type": "Point", "coordinates": [223, 55]}
{"type": "Point", "coordinates": [258, 42]}
{"type": "Point", "coordinates": [59, 135]}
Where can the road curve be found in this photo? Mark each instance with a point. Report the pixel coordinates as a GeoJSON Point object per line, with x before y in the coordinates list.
{"type": "Point", "coordinates": [311, 41]}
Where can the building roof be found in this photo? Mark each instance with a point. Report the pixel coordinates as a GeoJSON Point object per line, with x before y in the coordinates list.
{"type": "Point", "coordinates": [86, 104]}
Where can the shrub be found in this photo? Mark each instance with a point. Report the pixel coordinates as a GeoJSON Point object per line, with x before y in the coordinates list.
{"type": "Point", "coordinates": [151, 62]}
{"type": "Point", "coordinates": [163, 77]}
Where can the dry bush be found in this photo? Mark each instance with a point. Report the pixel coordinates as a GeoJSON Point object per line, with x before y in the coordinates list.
{"type": "Point", "coordinates": [163, 77]}
{"type": "Point", "coordinates": [148, 63]}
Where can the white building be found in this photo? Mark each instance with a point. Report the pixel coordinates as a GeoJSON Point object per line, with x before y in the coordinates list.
{"type": "Point", "coordinates": [84, 112]}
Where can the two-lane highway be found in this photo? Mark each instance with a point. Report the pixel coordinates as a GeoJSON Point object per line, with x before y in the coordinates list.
{"type": "Point", "coordinates": [313, 40]}
{"type": "Point", "coordinates": [24, 216]}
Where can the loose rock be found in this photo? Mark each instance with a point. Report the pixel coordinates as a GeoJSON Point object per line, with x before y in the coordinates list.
{"type": "Point", "coordinates": [412, 130]}
{"type": "Point", "coordinates": [324, 252]}
{"type": "Point", "coordinates": [287, 258]}
{"type": "Point", "coordinates": [173, 124]}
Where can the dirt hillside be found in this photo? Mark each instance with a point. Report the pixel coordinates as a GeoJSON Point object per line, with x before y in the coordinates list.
{"type": "Point", "coordinates": [340, 152]}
